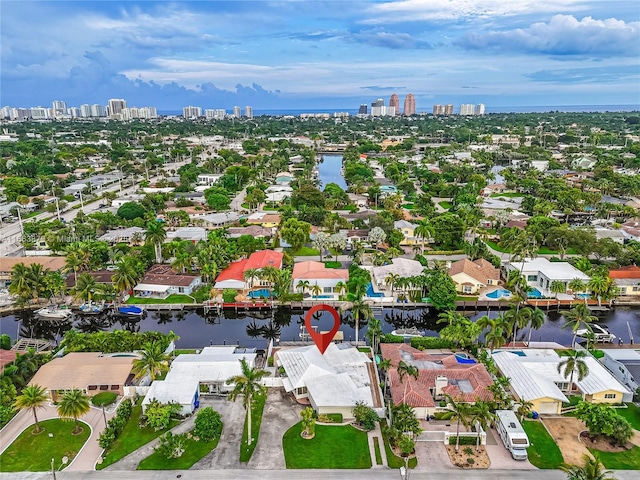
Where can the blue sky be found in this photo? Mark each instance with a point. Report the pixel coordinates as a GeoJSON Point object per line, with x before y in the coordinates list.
{"type": "Point", "coordinates": [320, 54]}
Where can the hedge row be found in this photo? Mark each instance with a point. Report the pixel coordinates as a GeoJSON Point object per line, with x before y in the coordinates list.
{"type": "Point", "coordinates": [116, 424]}
{"type": "Point", "coordinates": [463, 440]}
{"type": "Point", "coordinates": [431, 342]}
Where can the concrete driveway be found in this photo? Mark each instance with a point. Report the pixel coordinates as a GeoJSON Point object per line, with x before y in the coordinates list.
{"type": "Point", "coordinates": [432, 456]}
{"type": "Point", "coordinates": [500, 457]}
{"type": "Point", "coordinates": [227, 453]}
{"type": "Point", "coordinates": [280, 413]}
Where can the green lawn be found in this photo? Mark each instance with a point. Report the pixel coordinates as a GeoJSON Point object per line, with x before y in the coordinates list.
{"type": "Point", "coordinates": [246, 448]}
{"type": "Point", "coordinates": [394, 461]}
{"type": "Point", "coordinates": [33, 453]}
{"type": "Point", "coordinates": [631, 413]}
{"type": "Point", "coordinates": [332, 447]}
{"type": "Point", "coordinates": [408, 206]}
{"type": "Point", "coordinates": [446, 205]}
{"type": "Point", "coordinates": [543, 452]}
{"type": "Point", "coordinates": [305, 252]}
{"type": "Point", "coordinates": [131, 438]}
{"type": "Point", "coordinates": [460, 298]}
{"type": "Point", "coordinates": [627, 460]}
{"type": "Point", "coordinates": [177, 298]}
{"type": "Point", "coordinates": [332, 264]}
{"type": "Point", "coordinates": [194, 451]}
{"type": "Point", "coordinates": [506, 195]}
{"type": "Point", "coordinates": [376, 445]}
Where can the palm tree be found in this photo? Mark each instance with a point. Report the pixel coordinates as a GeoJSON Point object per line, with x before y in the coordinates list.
{"type": "Point", "coordinates": [557, 287]}
{"type": "Point", "coordinates": [154, 361]}
{"type": "Point", "coordinates": [390, 280]}
{"type": "Point", "coordinates": [374, 330]}
{"type": "Point", "coordinates": [340, 287]}
{"type": "Point", "coordinates": [385, 365]}
{"type": "Point", "coordinates": [248, 385]}
{"type": "Point", "coordinates": [360, 309]}
{"type": "Point", "coordinates": [85, 287]}
{"type": "Point", "coordinates": [72, 264]}
{"type": "Point", "coordinates": [155, 235]}
{"type": "Point", "coordinates": [495, 337]}
{"type": "Point", "coordinates": [20, 280]}
{"type": "Point", "coordinates": [424, 230]}
{"type": "Point", "coordinates": [461, 415]}
{"type": "Point", "coordinates": [126, 275]}
{"type": "Point", "coordinates": [449, 317]}
{"type": "Point", "coordinates": [517, 318]}
{"type": "Point", "coordinates": [524, 408]}
{"type": "Point", "coordinates": [591, 469]}
{"type": "Point", "coordinates": [73, 404]}
{"type": "Point", "coordinates": [481, 413]}
{"type": "Point", "coordinates": [536, 321]}
{"type": "Point", "coordinates": [577, 316]}
{"type": "Point", "coordinates": [251, 275]}
{"type": "Point", "coordinates": [573, 363]}
{"type": "Point", "coordinates": [315, 290]}
{"type": "Point", "coordinates": [32, 398]}
{"type": "Point", "coordinates": [404, 369]}
{"type": "Point", "coordinates": [576, 285]}
{"type": "Point", "coordinates": [302, 285]}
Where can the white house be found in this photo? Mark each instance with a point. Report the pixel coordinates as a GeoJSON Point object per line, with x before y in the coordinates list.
{"type": "Point", "coordinates": [122, 235]}
{"type": "Point", "coordinates": [317, 274]}
{"type": "Point", "coordinates": [540, 272]}
{"type": "Point", "coordinates": [208, 179]}
{"type": "Point", "coordinates": [332, 382]}
{"type": "Point", "coordinates": [193, 234]}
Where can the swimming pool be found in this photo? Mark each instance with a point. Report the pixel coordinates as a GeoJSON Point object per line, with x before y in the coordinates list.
{"type": "Point", "coordinates": [372, 294]}
{"type": "Point", "coordinates": [260, 293]}
{"type": "Point", "coordinates": [534, 293]}
{"type": "Point", "coordinates": [582, 296]}
{"type": "Point", "coordinates": [499, 293]}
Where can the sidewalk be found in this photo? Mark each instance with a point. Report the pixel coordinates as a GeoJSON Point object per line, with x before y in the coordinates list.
{"type": "Point", "coordinates": [377, 433]}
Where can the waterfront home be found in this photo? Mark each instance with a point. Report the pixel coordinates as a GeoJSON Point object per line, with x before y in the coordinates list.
{"type": "Point", "coordinates": [123, 235]}
{"type": "Point", "coordinates": [255, 231]}
{"type": "Point", "coordinates": [102, 277]}
{"type": "Point", "coordinates": [407, 229]}
{"type": "Point", "coordinates": [624, 364]}
{"type": "Point", "coordinates": [627, 280]}
{"type": "Point", "coordinates": [160, 281]}
{"type": "Point", "coordinates": [204, 373]}
{"type": "Point", "coordinates": [402, 267]}
{"type": "Point", "coordinates": [470, 277]}
{"type": "Point", "coordinates": [192, 234]}
{"type": "Point", "coordinates": [439, 374]}
{"type": "Point", "coordinates": [332, 382]}
{"type": "Point", "coordinates": [232, 277]}
{"type": "Point", "coordinates": [534, 377]}
{"type": "Point", "coordinates": [315, 273]}
{"type": "Point", "coordinates": [54, 264]}
{"type": "Point", "coordinates": [91, 372]}
{"type": "Point", "coordinates": [540, 273]}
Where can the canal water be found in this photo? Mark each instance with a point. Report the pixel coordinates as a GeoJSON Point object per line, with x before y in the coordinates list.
{"type": "Point", "coordinates": [330, 171]}
{"type": "Point", "coordinates": [254, 329]}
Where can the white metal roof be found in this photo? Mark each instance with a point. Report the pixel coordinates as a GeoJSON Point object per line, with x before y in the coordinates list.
{"type": "Point", "coordinates": [551, 270]}
{"type": "Point", "coordinates": [338, 391]}
{"type": "Point", "coordinates": [177, 389]}
{"type": "Point", "coordinates": [147, 287]}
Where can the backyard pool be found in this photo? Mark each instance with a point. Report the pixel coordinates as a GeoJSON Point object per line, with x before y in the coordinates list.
{"type": "Point", "coordinates": [499, 293]}
{"type": "Point", "coordinates": [372, 294]}
{"type": "Point", "coordinates": [260, 293]}
{"type": "Point", "coordinates": [534, 293]}
{"type": "Point", "coordinates": [583, 296]}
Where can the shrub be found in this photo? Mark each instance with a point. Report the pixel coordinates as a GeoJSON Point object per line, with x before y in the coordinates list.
{"type": "Point", "coordinates": [430, 342]}
{"type": "Point", "coordinates": [104, 398]}
{"type": "Point", "coordinates": [330, 418]}
{"type": "Point", "coordinates": [208, 424]}
{"type": "Point", "coordinates": [116, 425]}
{"type": "Point", "coordinates": [158, 415]}
{"type": "Point", "coordinates": [470, 461]}
{"type": "Point", "coordinates": [365, 416]}
{"type": "Point", "coordinates": [468, 451]}
{"type": "Point", "coordinates": [171, 446]}
{"type": "Point", "coordinates": [388, 338]}
{"type": "Point", "coordinates": [463, 440]}
{"type": "Point", "coordinates": [407, 445]}
{"type": "Point", "coordinates": [270, 362]}
{"type": "Point", "coordinates": [229, 295]}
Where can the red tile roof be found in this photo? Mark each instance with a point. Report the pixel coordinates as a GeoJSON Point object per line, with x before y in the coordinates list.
{"type": "Point", "coordinates": [235, 271]}
{"type": "Point", "coordinates": [631, 271]}
{"type": "Point", "coordinates": [317, 270]}
{"type": "Point", "coordinates": [6, 357]}
{"type": "Point", "coordinates": [264, 258]}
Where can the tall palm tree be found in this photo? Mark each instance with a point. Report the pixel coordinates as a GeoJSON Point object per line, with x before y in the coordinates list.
{"type": "Point", "coordinates": [248, 385]}
{"type": "Point", "coordinates": [251, 275]}
{"type": "Point", "coordinates": [524, 408]}
{"type": "Point", "coordinates": [126, 275]}
{"type": "Point", "coordinates": [557, 287]}
{"type": "Point", "coordinates": [374, 330]}
{"type": "Point", "coordinates": [154, 361]}
{"type": "Point", "coordinates": [576, 285]}
{"type": "Point", "coordinates": [85, 287]}
{"type": "Point", "coordinates": [385, 365]}
{"type": "Point", "coordinates": [73, 404]}
{"type": "Point", "coordinates": [155, 235]}
{"type": "Point", "coordinates": [404, 369]}
{"type": "Point", "coordinates": [573, 363]}
{"type": "Point", "coordinates": [340, 287]}
{"type": "Point", "coordinates": [577, 316]}
{"type": "Point", "coordinates": [591, 469]}
{"type": "Point", "coordinates": [315, 290]}
{"type": "Point", "coordinates": [480, 413]}
{"type": "Point", "coordinates": [32, 397]}
{"type": "Point", "coordinates": [360, 310]}
{"type": "Point", "coordinates": [72, 264]}
{"type": "Point", "coordinates": [517, 318]}
{"type": "Point", "coordinates": [390, 280]}
{"type": "Point", "coordinates": [423, 231]}
{"type": "Point", "coordinates": [461, 414]}
{"type": "Point", "coordinates": [20, 278]}
{"type": "Point", "coordinates": [302, 285]}
{"type": "Point", "coordinates": [536, 321]}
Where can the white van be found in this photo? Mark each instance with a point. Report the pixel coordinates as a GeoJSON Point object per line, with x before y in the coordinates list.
{"type": "Point", "coordinates": [512, 434]}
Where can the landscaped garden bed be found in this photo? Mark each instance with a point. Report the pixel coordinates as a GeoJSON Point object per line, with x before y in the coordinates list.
{"type": "Point", "coordinates": [468, 457]}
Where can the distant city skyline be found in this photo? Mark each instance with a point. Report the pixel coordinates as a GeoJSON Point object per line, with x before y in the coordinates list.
{"type": "Point", "coordinates": [309, 55]}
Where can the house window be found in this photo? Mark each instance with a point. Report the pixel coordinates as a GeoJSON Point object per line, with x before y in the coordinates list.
{"type": "Point", "coordinates": [610, 395]}
{"type": "Point", "coordinates": [467, 289]}
{"type": "Point", "coordinates": [562, 385]}
{"type": "Point", "coordinates": [301, 391]}
{"type": "Point", "coordinates": [635, 289]}
{"type": "Point", "coordinates": [327, 289]}
{"type": "Point", "coordinates": [532, 278]}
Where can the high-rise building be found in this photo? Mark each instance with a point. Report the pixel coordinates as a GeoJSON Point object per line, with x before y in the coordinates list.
{"type": "Point", "coordinates": [39, 113]}
{"type": "Point", "coordinates": [215, 114]}
{"type": "Point", "coordinates": [59, 108]}
{"type": "Point", "coordinates": [467, 109]}
{"type": "Point", "coordinates": [191, 112]}
{"type": "Point", "coordinates": [237, 113]}
{"type": "Point", "coordinates": [248, 111]}
{"type": "Point", "coordinates": [448, 109]}
{"type": "Point", "coordinates": [409, 105]}
{"type": "Point", "coordinates": [480, 109]}
{"type": "Point", "coordinates": [74, 112]}
{"type": "Point", "coordinates": [382, 111]}
{"type": "Point", "coordinates": [85, 110]}
{"type": "Point", "coordinates": [363, 109]}
{"type": "Point", "coordinates": [394, 102]}
{"type": "Point", "coordinates": [98, 110]}
{"type": "Point", "coordinates": [378, 103]}
{"type": "Point", "coordinates": [115, 106]}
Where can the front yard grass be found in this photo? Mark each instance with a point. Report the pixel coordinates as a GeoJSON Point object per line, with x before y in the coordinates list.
{"type": "Point", "coordinates": [631, 413]}
{"type": "Point", "coordinates": [332, 447]}
{"type": "Point", "coordinates": [176, 298]}
{"type": "Point", "coordinates": [193, 452]}
{"type": "Point", "coordinates": [627, 460]}
{"type": "Point", "coordinates": [447, 206]}
{"type": "Point", "coordinates": [332, 264]}
{"type": "Point", "coordinates": [33, 453]}
{"type": "Point", "coordinates": [304, 252]}
{"type": "Point", "coordinates": [543, 452]}
{"type": "Point", "coordinates": [131, 438]}
{"type": "Point", "coordinates": [246, 448]}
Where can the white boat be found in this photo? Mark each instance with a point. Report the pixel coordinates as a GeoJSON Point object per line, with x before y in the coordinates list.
{"type": "Point", "coordinates": [52, 312]}
{"type": "Point", "coordinates": [600, 333]}
{"type": "Point", "coordinates": [90, 309]}
{"type": "Point", "coordinates": [407, 332]}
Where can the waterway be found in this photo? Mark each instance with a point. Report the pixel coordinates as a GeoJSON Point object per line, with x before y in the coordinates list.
{"type": "Point", "coordinates": [253, 329]}
{"type": "Point", "coordinates": [330, 171]}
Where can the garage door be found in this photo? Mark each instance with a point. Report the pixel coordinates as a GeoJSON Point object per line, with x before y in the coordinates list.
{"type": "Point", "coordinates": [548, 408]}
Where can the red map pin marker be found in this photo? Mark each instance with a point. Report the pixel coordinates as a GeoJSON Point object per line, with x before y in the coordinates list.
{"type": "Point", "coordinates": [322, 340]}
